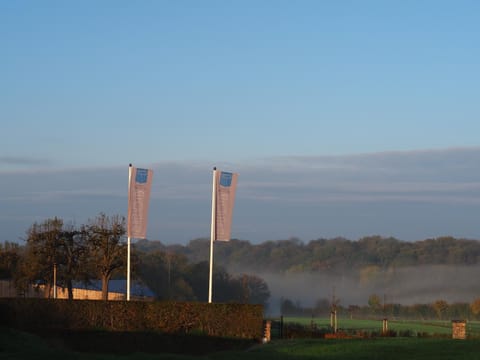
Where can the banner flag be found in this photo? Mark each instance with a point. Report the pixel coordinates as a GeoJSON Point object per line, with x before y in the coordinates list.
{"type": "Point", "coordinates": [138, 199]}
{"type": "Point", "coordinates": [225, 185]}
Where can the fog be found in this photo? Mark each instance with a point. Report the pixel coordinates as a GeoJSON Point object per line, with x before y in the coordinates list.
{"type": "Point", "coordinates": [406, 286]}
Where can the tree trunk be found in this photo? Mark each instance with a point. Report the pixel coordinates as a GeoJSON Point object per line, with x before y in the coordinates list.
{"type": "Point", "coordinates": [70, 289]}
{"type": "Point", "coordinates": [105, 280]}
{"type": "Point", "coordinates": [48, 290]}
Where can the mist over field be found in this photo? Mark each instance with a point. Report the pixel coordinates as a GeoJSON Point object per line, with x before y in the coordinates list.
{"type": "Point", "coordinates": [406, 286]}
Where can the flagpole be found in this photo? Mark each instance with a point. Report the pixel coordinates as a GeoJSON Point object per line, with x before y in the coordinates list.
{"type": "Point", "coordinates": [212, 234]}
{"type": "Point", "coordinates": [128, 237]}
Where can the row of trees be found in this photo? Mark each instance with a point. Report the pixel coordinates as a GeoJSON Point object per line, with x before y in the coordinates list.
{"type": "Point", "coordinates": [439, 309]}
{"type": "Point", "coordinates": [53, 249]}
{"type": "Point", "coordinates": [97, 250]}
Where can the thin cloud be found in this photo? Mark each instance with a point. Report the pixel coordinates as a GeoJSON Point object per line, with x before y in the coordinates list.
{"type": "Point", "coordinates": [383, 162]}
{"type": "Point", "coordinates": [284, 196]}
{"type": "Point", "coordinates": [23, 161]}
{"type": "Point", "coordinates": [429, 175]}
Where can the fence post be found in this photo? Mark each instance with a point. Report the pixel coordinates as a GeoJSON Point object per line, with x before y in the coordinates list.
{"type": "Point", "coordinates": [385, 326]}
{"type": "Point", "coordinates": [267, 333]}
{"type": "Point", "coordinates": [281, 327]}
{"type": "Point", "coordinates": [459, 330]}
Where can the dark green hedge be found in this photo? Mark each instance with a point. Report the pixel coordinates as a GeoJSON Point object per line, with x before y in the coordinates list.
{"type": "Point", "coordinates": [222, 320]}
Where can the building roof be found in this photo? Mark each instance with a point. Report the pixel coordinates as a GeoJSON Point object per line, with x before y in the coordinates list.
{"type": "Point", "coordinates": [137, 288]}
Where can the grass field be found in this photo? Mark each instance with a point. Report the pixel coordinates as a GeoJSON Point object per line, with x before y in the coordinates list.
{"type": "Point", "coordinates": [381, 348]}
{"type": "Point", "coordinates": [431, 327]}
{"type": "Point", "coordinates": [18, 345]}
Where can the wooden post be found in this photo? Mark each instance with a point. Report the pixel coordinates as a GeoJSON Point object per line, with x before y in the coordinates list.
{"type": "Point", "coordinates": [333, 321]}
{"type": "Point", "coordinates": [335, 318]}
{"type": "Point", "coordinates": [385, 326]}
{"type": "Point", "coordinates": [333, 314]}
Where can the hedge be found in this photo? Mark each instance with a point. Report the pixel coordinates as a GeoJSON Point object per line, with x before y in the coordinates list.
{"type": "Point", "coordinates": [220, 320]}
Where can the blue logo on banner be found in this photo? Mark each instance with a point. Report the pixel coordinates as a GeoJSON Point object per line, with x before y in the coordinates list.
{"type": "Point", "coordinates": [226, 179]}
{"type": "Point", "coordinates": [141, 176]}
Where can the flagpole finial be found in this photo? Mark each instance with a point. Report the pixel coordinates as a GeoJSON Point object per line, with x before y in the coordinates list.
{"type": "Point", "coordinates": [130, 165]}
{"type": "Point", "coordinates": [214, 168]}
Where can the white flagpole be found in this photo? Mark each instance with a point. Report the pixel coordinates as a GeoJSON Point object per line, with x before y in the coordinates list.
{"type": "Point", "coordinates": [212, 234]}
{"type": "Point", "coordinates": [128, 237]}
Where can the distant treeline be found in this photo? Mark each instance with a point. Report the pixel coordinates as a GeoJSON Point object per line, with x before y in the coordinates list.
{"type": "Point", "coordinates": [327, 255]}
{"type": "Point", "coordinates": [180, 272]}
{"type": "Point", "coordinates": [415, 274]}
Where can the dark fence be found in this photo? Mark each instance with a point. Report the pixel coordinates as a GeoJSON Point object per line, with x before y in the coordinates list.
{"type": "Point", "coordinates": [276, 328]}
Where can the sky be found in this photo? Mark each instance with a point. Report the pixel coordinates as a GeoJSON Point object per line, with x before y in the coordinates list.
{"type": "Point", "coordinates": [342, 118]}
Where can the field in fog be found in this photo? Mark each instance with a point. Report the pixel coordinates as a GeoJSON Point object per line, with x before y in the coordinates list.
{"type": "Point", "coordinates": [406, 286]}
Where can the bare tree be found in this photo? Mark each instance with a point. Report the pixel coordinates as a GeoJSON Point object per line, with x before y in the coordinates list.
{"type": "Point", "coordinates": [106, 247]}
{"type": "Point", "coordinates": [9, 258]}
{"type": "Point", "coordinates": [43, 251]}
{"type": "Point", "coordinates": [51, 245]}
{"type": "Point", "coordinates": [74, 248]}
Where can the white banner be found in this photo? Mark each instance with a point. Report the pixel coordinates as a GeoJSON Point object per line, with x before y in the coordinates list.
{"type": "Point", "coordinates": [138, 200]}
{"type": "Point", "coordinates": [225, 185]}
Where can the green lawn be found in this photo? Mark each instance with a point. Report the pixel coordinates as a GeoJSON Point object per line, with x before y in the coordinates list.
{"type": "Point", "coordinates": [15, 345]}
{"type": "Point", "coordinates": [428, 327]}
{"type": "Point", "coordinates": [381, 349]}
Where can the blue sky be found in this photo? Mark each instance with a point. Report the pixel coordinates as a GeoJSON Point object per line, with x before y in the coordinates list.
{"type": "Point", "coordinates": [271, 89]}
